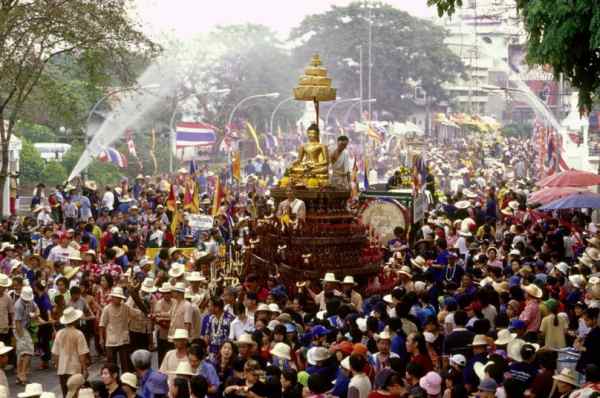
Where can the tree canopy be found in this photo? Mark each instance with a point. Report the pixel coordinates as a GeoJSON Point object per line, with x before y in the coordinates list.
{"type": "Point", "coordinates": [405, 51]}
{"type": "Point", "coordinates": [562, 34]}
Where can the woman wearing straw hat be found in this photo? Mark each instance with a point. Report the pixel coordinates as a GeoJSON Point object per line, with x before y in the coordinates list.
{"type": "Point", "coordinates": [70, 348]}
{"type": "Point", "coordinates": [25, 312]}
{"type": "Point", "coordinates": [566, 383]}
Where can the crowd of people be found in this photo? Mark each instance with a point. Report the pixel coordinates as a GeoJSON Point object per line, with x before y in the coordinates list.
{"type": "Point", "coordinates": [492, 298]}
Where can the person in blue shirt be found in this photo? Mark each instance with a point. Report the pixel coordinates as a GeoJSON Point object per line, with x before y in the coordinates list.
{"type": "Point", "coordinates": [199, 364]}
{"type": "Point", "coordinates": [152, 384]}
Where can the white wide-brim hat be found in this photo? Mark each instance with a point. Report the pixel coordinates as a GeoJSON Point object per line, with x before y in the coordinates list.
{"type": "Point", "coordinates": [70, 315]}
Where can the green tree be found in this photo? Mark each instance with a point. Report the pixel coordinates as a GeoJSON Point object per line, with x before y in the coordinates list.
{"type": "Point", "coordinates": [53, 174]}
{"type": "Point", "coordinates": [36, 33]}
{"type": "Point", "coordinates": [562, 34]}
{"type": "Point", "coordinates": [31, 163]}
{"type": "Point", "coordinates": [35, 132]}
{"type": "Point", "coordinates": [405, 51]}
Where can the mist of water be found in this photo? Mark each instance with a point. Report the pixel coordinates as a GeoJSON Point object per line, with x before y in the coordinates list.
{"type": "Point", "coordinates": [160, 82]}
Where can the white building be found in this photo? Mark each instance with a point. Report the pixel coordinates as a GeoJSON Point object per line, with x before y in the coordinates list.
{"type": "Point", "coordinates": [52, 151]}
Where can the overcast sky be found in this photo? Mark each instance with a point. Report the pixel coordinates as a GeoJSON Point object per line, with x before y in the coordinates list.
{"type": "Point", "coordinates": [186, 17]}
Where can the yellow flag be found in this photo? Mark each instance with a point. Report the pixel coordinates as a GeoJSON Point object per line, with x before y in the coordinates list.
{"type": "Point", "coordinates": [255, 136]}
{"type": "Point", "coordinates": [175, 221]}
{"type": "Point", "coordinates": [195, 208]}
{"type": "Point", "coordinates": [236, 166]}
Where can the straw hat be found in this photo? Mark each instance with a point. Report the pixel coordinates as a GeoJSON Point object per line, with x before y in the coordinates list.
{"type": "Point", "coordinates": [513, 204]}
{"type": "Point", "coordinates": [4, 349]}
{"type": "Point", "coordinates": [119, 252]}
{"type": "Point", "coordinates": [479, 369]}
{"type": "Point", "coordinates": [86, 393]}
{"type": "Point", "coordinates": [91, 185]}
{"type": "Point", "coordinates": [513, 349]}
{"type": "Point", "coordinates": [385, 335]}
{"type": "Point", "coordinates": [179, 287]}
{"type": "Point", "coordinates": [458, 359]}
{"type": "Point", "coordinates": [70, 315]}
{"type": "Point", "coordinates": [282, 350]}
{"type": "Point", "coordinates": [46, 394]}
{"type": "Point", "coordinates": [176, 270]}
{"type": "Point", "coordinates": [27, 293]}
{"type": "Point", "coordinates": [274, 308]}
{"type": "Point", "coordinates": [418, 262]}
{"type": "Point", "coordinates": [245, 338]}
{"type": "Point", "coordinates": [586, 260]}
{"type": "Point", "coordinates": [462, 204]}
{"type": "Point", "coordinates": [262, 307]}
{"type": "Point", "coordinates": [317, 354]}
{"type": "Point", "coordinates": [195, 276]}
{"type": "Point", "coordinates": [148, 286]}
{"type": "Point", "coordinates": [118, 293]}
{"type": "Point", "coordinates": [69, 272]}
{"type": "Point", "coordinates": [479, 340]}
{"type": "Point", "coordinates": [183, 369]}
{"type": "Point", "coordinates": [505, 337]}
{"type": "Point", "coordinates": [577, 280]}
{"type": "Point", "coordinates": [31, 390]}
{"type": "Point", "coordinates": [165, 288]}
{"type": "Point", "coordinates": [180, 334]}
{"type": "Point", "coordinates": [388, 299]}
{"type": "Point", "coordinates": [501, 287]}
{"type": "Point", "coordinates": [568, 376]}
{"type": "Point", "coordinates": [174, 250]}
{"type": "Point", "coordinates": [329, 278]}
{"type": "Point", "coordinates": [129, 379]}
{"type": "Point", "coordinates": [5, 281]}
{"type": "Point", "coordinates": [595, 242]}
{"type": "Point", "coordinates": [406, 271]}
{"type": "Point", "coordinates": [593, 253]}
{"type": "Point", "coordinates": [349, 280]}
{"type": "Point", "coordinates": [533, 290]}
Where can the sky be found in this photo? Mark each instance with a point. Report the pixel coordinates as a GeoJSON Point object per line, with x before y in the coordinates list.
{"type": "Point", "coordinates": [184, 18]}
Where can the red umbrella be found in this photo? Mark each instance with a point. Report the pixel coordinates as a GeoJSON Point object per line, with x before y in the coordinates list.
{"type": "Point", "coordinates": [570, 178]}
{"type": "Point", "coordinates": [550, 194]}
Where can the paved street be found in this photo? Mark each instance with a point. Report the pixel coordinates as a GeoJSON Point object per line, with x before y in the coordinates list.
{"type": "Point", "coordinates": [47, 378]}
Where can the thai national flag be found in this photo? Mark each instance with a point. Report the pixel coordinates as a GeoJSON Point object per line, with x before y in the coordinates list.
{"type": "Point", "coordinates": [195, 134]}
{"type": "Point", "coordinates": [113, 156]}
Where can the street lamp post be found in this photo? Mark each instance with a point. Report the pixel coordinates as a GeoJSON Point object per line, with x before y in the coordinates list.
{"type": "Point", "coordinates": [271, 124]}
{"type": "Point", "coordinates": [335, 103]}
{"type": "Point", "coordinates": [366, 101]}
{"type": "Point", "coordinates": [172, 121]}
{"type": "Point", "coordinates": [244, 100]}
{"type": "Point", "coordinates": [88, 136]}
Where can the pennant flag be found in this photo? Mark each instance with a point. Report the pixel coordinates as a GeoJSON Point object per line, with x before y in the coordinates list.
{"type": "Point", "coordinates": [172, 200]}
{"type": "Point", "coordinates": [218, 196]}
{"type": "Point", "coordinates": [111, 155]}
{"type": "Point", "coordinates": [195, 134]}
{"type": "Point", "coordinates": [366, 176]}
{"type": "Point", "coordinates": [255, 137]}
{"type": "Point", "coordinates": [236, 165]}
{"type": "Point", "coordinates": [195, 207]}
{"type": "Point", "coordinates": [374, 133]}
{"type": "Point", "coordinates": [188, 193]}
{"type": "Point", "coordinates": [354, 179]}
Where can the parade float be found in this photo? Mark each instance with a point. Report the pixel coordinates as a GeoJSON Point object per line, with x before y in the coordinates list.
{"type": "Point", "coordinates": [329, 238]}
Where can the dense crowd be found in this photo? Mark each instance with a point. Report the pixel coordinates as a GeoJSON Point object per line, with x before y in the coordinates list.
{"type": "Point", "coordinates": [491, 299]}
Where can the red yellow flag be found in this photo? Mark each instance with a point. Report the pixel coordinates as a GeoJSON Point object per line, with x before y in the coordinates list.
{"type": "Point", "coordinates": [236, 166]}
{"type": "Point", "coordinates": [172, 200]}
{"type": "Point", "coordinates": [218, 197]}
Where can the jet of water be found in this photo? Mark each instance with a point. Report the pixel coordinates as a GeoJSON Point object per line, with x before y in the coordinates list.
{"type": "Point", "coordinates": [131, 108]}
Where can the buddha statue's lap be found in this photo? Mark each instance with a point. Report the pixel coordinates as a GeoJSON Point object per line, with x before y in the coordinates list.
{"type": "Point", "coordinates": [312, 162]}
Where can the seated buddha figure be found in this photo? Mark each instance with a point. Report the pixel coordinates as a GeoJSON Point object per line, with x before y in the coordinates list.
{"type": "Point", "coordinates": [313, 160]}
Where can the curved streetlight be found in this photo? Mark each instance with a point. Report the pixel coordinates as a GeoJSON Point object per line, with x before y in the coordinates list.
{"type": "Point", "coordinates": [275, 111]}
{"type": "Point", "coordinates": [235, 108]}
{"type": "Point", "coordinates": [172, 121]}
{"type": "Point", "coordinates": [365, 101]}
{"type": "Point", "coordinates": [335, 103]}
{"type": "Point", "coordinates": [88, 136]}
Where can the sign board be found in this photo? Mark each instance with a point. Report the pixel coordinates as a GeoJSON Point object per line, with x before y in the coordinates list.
{"type": "Point", "coordinates": [201, 222]}
{"type": "Point", "coordinates": [419, 208]}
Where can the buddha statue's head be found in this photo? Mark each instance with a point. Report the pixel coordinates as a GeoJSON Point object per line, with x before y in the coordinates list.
{"type": "Point", "coordinates": [313, 133]}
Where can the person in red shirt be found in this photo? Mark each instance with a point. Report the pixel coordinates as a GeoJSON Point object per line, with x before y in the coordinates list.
{"type": "Point", "coordinates": [417, 349]}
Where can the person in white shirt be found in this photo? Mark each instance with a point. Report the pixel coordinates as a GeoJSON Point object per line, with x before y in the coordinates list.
{"type": "Point", "coordinates": [340, 164]}
{"type": "Point", "coordinates": [360, 385]}
{"type": "Point", "coordinates": [241, 324]}
{"type": "Point", "coordinates": [292, 205]}
{"type": "Point", "coordinates": [108, 200]}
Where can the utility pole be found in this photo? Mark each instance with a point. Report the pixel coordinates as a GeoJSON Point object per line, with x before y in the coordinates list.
{"type": "Point", "coordinates": [370, 95]}
{"type": "Point", "coordinates": [360, 88]}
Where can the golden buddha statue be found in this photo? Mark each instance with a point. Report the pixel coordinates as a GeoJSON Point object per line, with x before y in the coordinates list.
{"type": "Point", "coordinates": [312, 163]}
